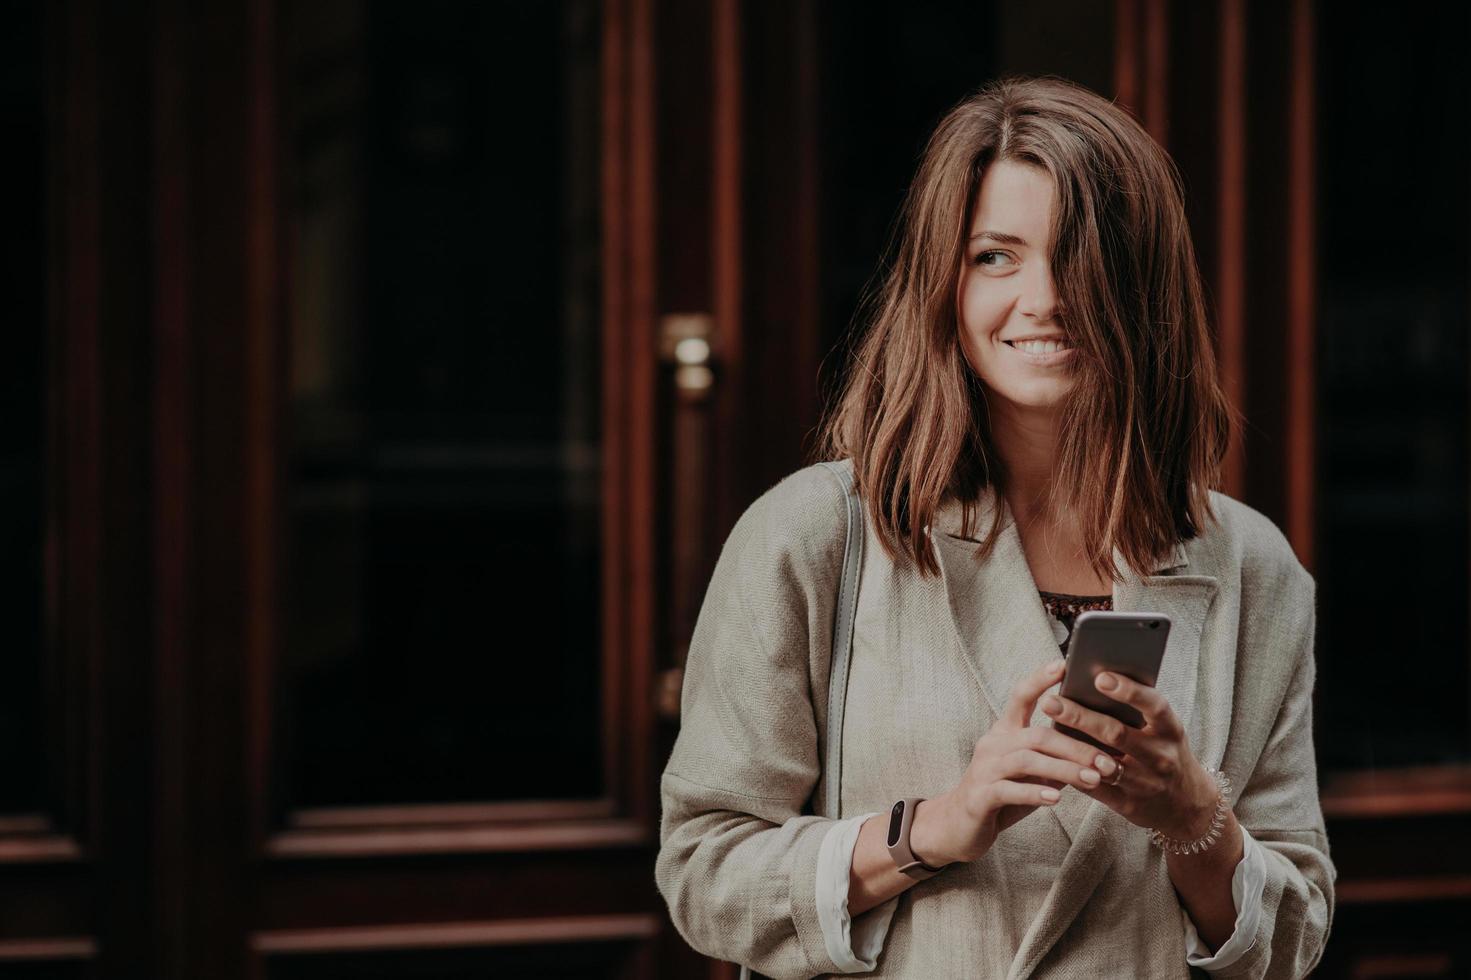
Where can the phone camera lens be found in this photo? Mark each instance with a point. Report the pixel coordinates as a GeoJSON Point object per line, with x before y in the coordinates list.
{"type": "Point", "coordinates": [1154, 624]}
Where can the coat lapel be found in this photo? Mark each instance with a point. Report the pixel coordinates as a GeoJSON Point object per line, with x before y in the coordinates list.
{"type": "Point", "coordinates": [997, 613]}
{"type": "Point", "coordinates": [1005, 635]}
{"type": "Point", "coordinates": [1096, 831]}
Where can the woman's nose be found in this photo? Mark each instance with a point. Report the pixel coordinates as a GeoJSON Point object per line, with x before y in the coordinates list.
{"type": "Point", "coordinates": [1040, 299]}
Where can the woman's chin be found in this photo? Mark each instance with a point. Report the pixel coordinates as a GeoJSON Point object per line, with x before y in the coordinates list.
{"type": "Point", "coordinates": [1039, 399]}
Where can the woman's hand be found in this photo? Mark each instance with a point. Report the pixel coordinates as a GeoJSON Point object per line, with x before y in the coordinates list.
{"type": "Point", "coordinates": [1163, 786]}
{"type": "Point", "coordinates": [1015, 769]}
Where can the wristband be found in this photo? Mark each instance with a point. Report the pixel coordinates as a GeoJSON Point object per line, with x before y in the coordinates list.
{"type": "Point", "coordinates": [901, 819]}
{"type": "Point", "coordinates": [1211, 836]}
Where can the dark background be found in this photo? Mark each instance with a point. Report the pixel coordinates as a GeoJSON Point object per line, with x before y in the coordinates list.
{"type": "Point", "coordinates": [356, 508]}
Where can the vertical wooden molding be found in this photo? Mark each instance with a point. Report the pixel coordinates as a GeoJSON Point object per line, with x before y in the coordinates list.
{"type": "Point", "coordinates": [83, 693]}
{"type": "Point", "coordinates": [630, 365]}
{"type": "Point", "coordinates": [806, 353]}
{"type": "Point", "coordinates": [173, 504]}
{"type": "Point", "coordinates": [1126, 54]}
{"type": "Point", "coordinates": [264, 368]}
{"type": "Point", "coordinates": [58, 282]}
{"type": "Point", "coordinates": [1157, 70]}
{"type": "Point", "coordinates": [614, 271]}
{"type": "Point", "coordinates": [71, 668]}
{"type": "Point", "coordinates": [641, 565]}
{"type": "Point", "coordinates": [1142, 63]}
{"type": "Point", "coordinates": [615, 591]}
{"type": "Point", "coordinates": [1302, 288]}
{"type": "Point", "coordinates": [728, 233]}
{"type": "Point", "coordinates": [781, 287]}
{"type": "Point", "coordinates": [1231, 222]}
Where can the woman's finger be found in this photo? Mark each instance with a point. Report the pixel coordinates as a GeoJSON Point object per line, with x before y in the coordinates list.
{"type": "Point", "coordinates": [1052, 742]}
{"type": "Point", "coordinates": [1023, 699]}
{"type": "Point", "coordinates": [1005, 791]}
{"type": "Point", "coordinates": [1028, 762]}
{"type": "Point", "coordinates": [1151, 704]}
{"type": "Point", "coordinates": [1119, 783]}
{"type": "Point", "coordinates": [1106, 728]}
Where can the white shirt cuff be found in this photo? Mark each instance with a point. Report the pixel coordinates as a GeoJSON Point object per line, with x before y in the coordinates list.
{"type": "Point", "coordinates": [853, 946]}
{"type": "Point", "coordinates": [1247, 883]}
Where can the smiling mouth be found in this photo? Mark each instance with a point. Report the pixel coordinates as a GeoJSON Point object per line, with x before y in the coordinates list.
{"type": "Point", "coordinates": [1038, 348]}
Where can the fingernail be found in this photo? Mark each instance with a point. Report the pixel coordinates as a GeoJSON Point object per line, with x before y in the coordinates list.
{"type": "Point", "coordinates": [1089, 776]}
{"type": "Point", "coordinates": [1106, 682]}
{"type": "Point", "coordinates": [1104, 765]}
{"type": "Point", "coordinates": [1051, 705]}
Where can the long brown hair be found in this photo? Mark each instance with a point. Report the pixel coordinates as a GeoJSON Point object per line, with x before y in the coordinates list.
{"type": "Point", "coordinates": [1145, 426]}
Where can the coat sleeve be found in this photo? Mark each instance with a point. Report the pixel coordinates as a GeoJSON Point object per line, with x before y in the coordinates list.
{"type": "Point", "coordinates": [738, 857]}
{"type": "Point", "coordinates": [1281, 810]}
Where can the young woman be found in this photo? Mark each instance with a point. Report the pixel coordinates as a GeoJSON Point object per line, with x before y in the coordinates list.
{"type": "Point", "coordinates": [1034, 424]}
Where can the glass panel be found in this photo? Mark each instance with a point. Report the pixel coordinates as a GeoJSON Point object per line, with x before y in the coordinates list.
{"type": "Point", "coordinates": [443, 575]}
{"type": "Point", "coordinates": [1395, 247]}
{"type": "Point", "coordinates": [22, 394]}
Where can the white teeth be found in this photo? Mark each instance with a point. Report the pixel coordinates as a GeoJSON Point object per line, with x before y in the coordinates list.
{"type": "Point", "coordinates": [1039, 346]}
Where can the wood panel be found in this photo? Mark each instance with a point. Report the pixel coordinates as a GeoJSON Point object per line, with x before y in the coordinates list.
{"type": "Point", "coordinates": [1299, 441]}
{"type": "Point", "coordinates": [1267, 261]}
{"type": "Point", "coordinates": [780, 305]}
{"type": "Point", "coordinates": [605, 947]}
{"type": "Point", "coordinates": [1400, 938]}
{"type": "Point", "coordinates": [159, 854]}
{"type": "Point", "coordinates": [1142, 63]}
{"type": "Point", "coordinates": [353, 892]}
{"type": "Point", "coordinates": [231, 863]}
{"type": "Point", "coordinates": [1252, 213]}
{"type": "Point", "coordinates": [173, 431]}
{"type": "Point", "coordinates": [450, 935]}
{"type": "Point", "coordinates": [1231, 236]}
{"type": "Point", "coordinates": [242, 358]}
{"type": "Point", "coordinates": [1394, 832]}
{"type": "Point", "coordinates": [68, 897]}
{"type": "Point", "coordinates": [72, 629]}
{"type": "Point", "coordinates": [42, 900]}
{"type": "Point", "coordinates": [631, 500]}
{"type": "Point", "coordinates": [66, 959]}
{"type": "Point", "coordinates": [120, 705]}
{"type": "Point", "coordinates": [728, 111]}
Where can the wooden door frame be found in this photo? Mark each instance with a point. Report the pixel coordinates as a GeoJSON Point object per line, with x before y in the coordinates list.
{"type": "Point", "coordinates": [1395, 832]}
{"type": "Point", "coordinates": [72, 893]}
{"type": "Point", "coordinates": [237, 892]}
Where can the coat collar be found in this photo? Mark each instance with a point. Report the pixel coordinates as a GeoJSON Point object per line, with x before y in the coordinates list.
{"type": "Point", "coordinates": [1004, 634]}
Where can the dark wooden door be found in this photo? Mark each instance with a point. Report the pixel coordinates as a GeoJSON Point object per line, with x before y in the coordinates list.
{"type": "Point", "coordinates": [335, 634]}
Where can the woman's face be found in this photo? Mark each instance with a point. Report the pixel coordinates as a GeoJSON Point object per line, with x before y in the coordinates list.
{"type": "Point", "coordinates": [1006, 292]}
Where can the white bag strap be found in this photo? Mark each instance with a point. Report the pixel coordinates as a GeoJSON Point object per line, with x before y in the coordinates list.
{"type": "Point", "coordinates": [847, 608]}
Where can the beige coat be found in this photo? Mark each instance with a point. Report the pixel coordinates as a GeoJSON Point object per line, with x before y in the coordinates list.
{"type": "Point", "coordinates": [1072, 890]}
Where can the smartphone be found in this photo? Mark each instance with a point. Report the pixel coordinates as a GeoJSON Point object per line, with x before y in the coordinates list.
{"type": "Point", "coordinates": [1128, 643]}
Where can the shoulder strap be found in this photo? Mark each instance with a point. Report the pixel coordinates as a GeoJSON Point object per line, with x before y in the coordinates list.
{"type": "Point", "coordinates": [847, 607]}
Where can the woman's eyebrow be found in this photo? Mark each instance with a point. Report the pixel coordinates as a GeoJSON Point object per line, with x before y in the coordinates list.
{"type": "Point", "coordinates": [999, 236]}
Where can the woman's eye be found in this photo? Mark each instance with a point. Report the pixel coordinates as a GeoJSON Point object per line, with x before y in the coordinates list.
{"type": "Point", "coordinates": [982, 258]}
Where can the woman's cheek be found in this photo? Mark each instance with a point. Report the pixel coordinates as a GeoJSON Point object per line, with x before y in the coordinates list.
{"type": "Point", "coordinates": [975, 327]}
{"type": "Point", "coordinates": [967, 342]}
